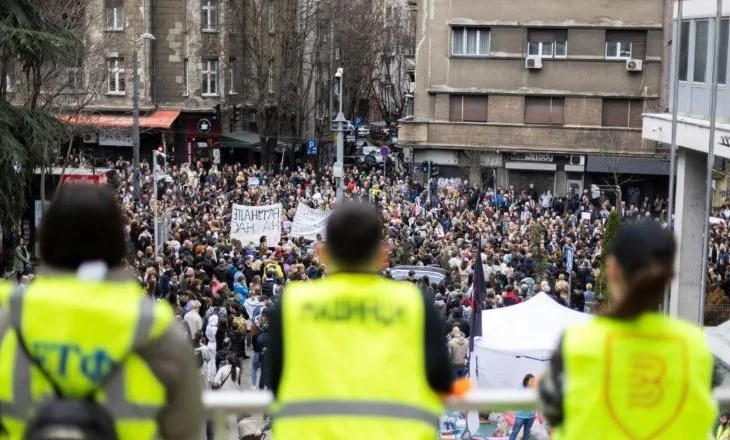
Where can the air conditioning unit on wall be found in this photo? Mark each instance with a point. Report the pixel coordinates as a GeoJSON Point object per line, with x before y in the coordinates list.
{"type": "Point", "coordinates": [634, 65]}
{"type": "Point", "coordinates": [91, 138]}
{"type": "Point", "coordinates": [533, 63]}
{"type": "Point", "coordinates": [577, 159]}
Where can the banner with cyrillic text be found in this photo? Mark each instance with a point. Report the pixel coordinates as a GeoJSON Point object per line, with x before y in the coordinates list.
{"type": "Point", "coordinates": [250, 223]}
{"type": "Point", "coordinates": [309, 222]}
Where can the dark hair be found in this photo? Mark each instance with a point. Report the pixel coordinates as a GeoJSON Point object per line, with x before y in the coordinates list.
{"type": "Point", "coordinates": [645, 252]}
{"type": "Point", "coordinates": [526, 379]}
{"type": "Point", "coordinates": [354, 233]}
{"type": "Point", "coordinates": [84, 223]}
{"type": "Point", "coordinates": [231, 359]}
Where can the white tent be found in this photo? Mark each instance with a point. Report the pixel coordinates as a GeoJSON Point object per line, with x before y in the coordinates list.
{"type": "Point", "coordinates": [520, 339]}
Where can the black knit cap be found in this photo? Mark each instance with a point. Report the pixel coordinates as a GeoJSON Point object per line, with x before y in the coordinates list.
{"type": "Point", "coordinates": [640, 243]}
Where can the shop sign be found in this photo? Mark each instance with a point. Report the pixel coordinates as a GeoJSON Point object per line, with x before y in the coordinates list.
{"type": "Point", "coordinates": [204, 126]}
{"type": "Point", "coordinates": [190, 152]}
{"type": "Point", "coordinates": [94, 179]}
{"type": "Point", "coordinates": [115, 140]}
{"type": "Point", "coordinates": [532, 157]}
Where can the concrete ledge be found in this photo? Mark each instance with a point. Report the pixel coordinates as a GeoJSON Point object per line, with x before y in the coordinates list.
{"type": "Point", "coordinates": [692, 133]}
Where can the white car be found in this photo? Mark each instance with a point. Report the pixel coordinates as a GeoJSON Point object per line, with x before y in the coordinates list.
{"type": "Point", "coordinates": [363, 131]}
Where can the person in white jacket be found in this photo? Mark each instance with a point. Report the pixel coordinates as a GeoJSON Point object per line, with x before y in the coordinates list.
{"type": "Point", "coordinates": [228, 378]}
{"type": "Point", "coordinates": [210, 330]}
{"type": "Point", "coordinates": [207, 369]}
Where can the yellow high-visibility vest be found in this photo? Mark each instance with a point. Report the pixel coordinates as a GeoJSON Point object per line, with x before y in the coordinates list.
{"type": "Point", "coordinates": [649, 378]}
{"type": "Point", "coordinates": [80, 330]}
{"type": "Point", "coordinates": [354, 362]}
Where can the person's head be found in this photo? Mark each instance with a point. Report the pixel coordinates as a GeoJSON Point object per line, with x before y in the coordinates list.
{"type": "Point", "coordinates": [640, 264]}
{"type": "Point", "coordinates": [354, 238]}
{"type": "Point", "coordinates": [84, 223]}
{"type": "Point", "coordinates": [724, 417]}
{"type": "Point", "coordinates": [528, 381]}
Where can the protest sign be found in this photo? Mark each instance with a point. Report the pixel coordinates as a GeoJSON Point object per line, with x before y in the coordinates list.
{"type": "Point", "coordinates": [253, 181]}
{"type": "Point", "coordinates": [250, 223]}
{"type": "Point", "coordinates": [309, 222]}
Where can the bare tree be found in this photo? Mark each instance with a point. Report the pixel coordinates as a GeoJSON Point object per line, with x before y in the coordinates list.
{"type": "Point", "coordinates": [391, 82]}
{"type": "Point", "coordinates": [613, 153]}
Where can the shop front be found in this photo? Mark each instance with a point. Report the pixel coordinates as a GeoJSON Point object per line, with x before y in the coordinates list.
{"type": "Point", "coordinates": [202, 139]}
{"type": "Point", "coordinates": [639, 177]}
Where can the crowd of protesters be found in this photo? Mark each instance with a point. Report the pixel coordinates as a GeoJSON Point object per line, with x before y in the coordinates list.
{"type": "Point", "coordinates": [222, 291]}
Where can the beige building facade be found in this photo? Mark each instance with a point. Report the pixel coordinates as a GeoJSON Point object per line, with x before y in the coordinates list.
{"type": "Point", "coordinates": [537, 92]}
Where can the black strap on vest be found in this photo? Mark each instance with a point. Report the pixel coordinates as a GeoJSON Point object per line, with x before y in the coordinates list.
{"type": "Point", "coordinates": [16, 302]}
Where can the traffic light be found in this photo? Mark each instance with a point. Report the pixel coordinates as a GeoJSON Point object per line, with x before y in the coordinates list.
{"type": "Point", "coordinates": [425, 166]}
{"type": "Point", "coordinates": [237, 111]}
{"type": "Point", "coordinates": [434, 169]}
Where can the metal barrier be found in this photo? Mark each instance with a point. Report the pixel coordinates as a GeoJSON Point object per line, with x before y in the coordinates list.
{"type": "Point", "coordinates": [221, 403]}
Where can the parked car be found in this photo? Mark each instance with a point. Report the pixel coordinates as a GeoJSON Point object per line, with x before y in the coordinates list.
{"type": "Point", "coordinates": [363, 131]}
{"type": "Point", "coordinates": [434, 274]}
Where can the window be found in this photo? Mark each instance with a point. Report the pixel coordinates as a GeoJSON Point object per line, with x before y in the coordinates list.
{"type": "Point", "coordinates": [74, 78]}
{"type": "Point", "coordinates": [386, 96]}
{"type": "Point", "coordinates": [232, 76]}
{"type": "Point", "coordinates": [209, 15]}
{"type": "Point", "coordinates": [468, 108]}
{"type": "Point", "coordinates": [114, 15]}
{"type": "Point", "coordinates": [700, 66]}
{"type": "Point", "coordinates": [547, 111]}
{"type": "Point", "coordinates": [625, 44]}
{"type": "Point", "coordinates": [210, 78]}
{"type": "Point", "coordinates": [186, 77]}
{"type": "Point", "coordinates": [270, 78]}
{"type": "Point", "coordinates": [722, 60]}
{"type": "Point", "coordinates": [116, 83]}
{"type": "Point", "coordinates": [684, 52]}
{"type": "Point", "coordinates": [622, 112]}
{"type": "Point", "coordinates": [547, 43]}
{"type": "Point", "coordinates": [272, 16]}
{"type": "Point", "coordinates": [470, 41]}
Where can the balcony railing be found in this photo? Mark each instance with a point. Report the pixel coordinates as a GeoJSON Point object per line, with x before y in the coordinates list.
{"type": "Point", "coordinates": [221, 403]}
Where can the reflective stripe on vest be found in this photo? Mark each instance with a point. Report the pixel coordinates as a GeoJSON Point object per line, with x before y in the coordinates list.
{"type": "Point", "coordinates": [115, 389]}
{"type": "Point", "coordinates": [341, 408]}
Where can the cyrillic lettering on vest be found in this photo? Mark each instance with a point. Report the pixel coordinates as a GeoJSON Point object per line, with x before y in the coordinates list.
{"type": "Point", "coordinates": [348, 309]}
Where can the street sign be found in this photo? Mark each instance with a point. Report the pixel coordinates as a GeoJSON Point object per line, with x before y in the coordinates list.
{"type": "Point", "coordinates": [384, 151]}
{"type": "Point", "coordinates": [358, 121]}
{"type": "Point", "coordinates": [311, 147]}
{"type": "Point", "coordinates": [569, 259]}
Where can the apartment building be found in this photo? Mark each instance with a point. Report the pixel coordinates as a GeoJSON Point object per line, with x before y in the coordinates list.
{"type": "Point", "coordinates": [192, 92]}
{"type": "Point", "coordinates": [697, 60]}
{"type": "Point", "coordinates": [550, 93]}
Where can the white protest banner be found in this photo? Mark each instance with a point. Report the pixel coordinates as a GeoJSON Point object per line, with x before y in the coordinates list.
{"type": "Point", "coordinates": [309, 222]}
{"type": "Point", "coordinates": [253, 181]}
{"type": "Point", "coordinates": [250, 223]}
{"type": "Point", "coordinates": [585, 216]}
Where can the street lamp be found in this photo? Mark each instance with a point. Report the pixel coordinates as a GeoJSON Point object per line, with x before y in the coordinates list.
{"type": "Point", "coordinates": [135, 113]}
{"type": "Point", "coordinates": [338, 170]}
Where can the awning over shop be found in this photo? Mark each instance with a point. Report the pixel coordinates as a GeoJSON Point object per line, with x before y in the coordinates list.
{"type": "Point", "coordinates": [627, 165]}
{"type": "Point", "coordinates": [241, 139]}
{"type": "Point", "coordinates": [162, 119]}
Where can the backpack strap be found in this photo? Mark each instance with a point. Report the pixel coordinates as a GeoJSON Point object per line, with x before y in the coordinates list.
{"type": "Point", "coordinates": [141, 334]}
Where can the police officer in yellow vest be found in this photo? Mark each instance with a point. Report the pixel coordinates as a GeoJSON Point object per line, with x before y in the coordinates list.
{"type": "Point", "coordinates": [84, 319]}
{"type": "Point", "coordinates": [633, 373]}
{"type": "Point", "coordinates": [354, 355]}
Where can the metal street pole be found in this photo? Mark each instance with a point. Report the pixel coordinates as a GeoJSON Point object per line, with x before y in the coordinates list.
{"type": "Point", "coordinates": [710, 162]}
{"type": "Point", "coordinates": [676, 43]}
{"type": "Point", "coordinates": [135, 122]}
{"type": "Point", "coordinates": [339, 168]}
{"type": "Point", "coordinates": [428, 183]}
